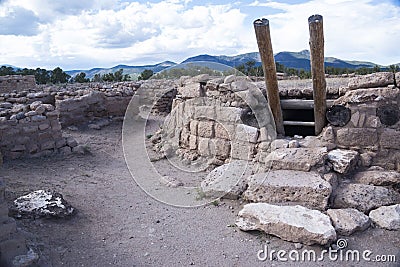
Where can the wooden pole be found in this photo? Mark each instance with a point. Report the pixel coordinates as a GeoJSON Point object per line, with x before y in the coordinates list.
{"type": "Point", "coordinates": [315, 25]}
{"type": "Point", "coordinates": [261, 27]}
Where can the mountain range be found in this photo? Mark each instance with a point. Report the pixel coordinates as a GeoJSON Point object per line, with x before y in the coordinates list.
{"type": "Point", "coordinates": [297, 60]}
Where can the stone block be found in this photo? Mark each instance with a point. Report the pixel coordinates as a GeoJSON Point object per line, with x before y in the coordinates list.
{"type": "Point", "coordinates": [204, 112]}
{"type": "Point", "coordinates": [356, 137]}
{"type": "Point", "coordinates": [300, 159]}
{"type": "Point", "coordinates": [50, 144]}
{"type": "Point", "coordinates": [192, 142]}
{"type": "Point", "coordinates": [191, 90]}
{"type": "Point", "coordinates": [228, 114]}
{"type": "Point", "coordinates": [378, 79]}
{"type": "Point", "coordinates": [205, 129]}
{"type": "Point", "coordinates": [348, 221]}
{"type": "Point", "coordinates": [226, 181]}
{"type": "Point", "coordinates": [364, 197]}
{"type": "Point", "coordinates": [204, 146]}
{"type": "Point", "coordinates": [291, 223]}
{"type": "Point", "coordinates": [246, 133]}
{"type": "Point", "coordinates": [390, 138]}
{"type": "Point", "coordinates": [343, 161]}
{"type": "Point", "coordinates": [381, 178]}
{"type": "Point", "coordinates": [222, 148]}
{"type": "Point", "coordinates": [220, 131]}
{"type": "Point", "coordinates": [242, 150]}
{"type": "Point", "coordinates": [30, 129]}
{"type": "Point", "coordinates": [387, 217]}
{"type": "Point", "coordinates": [285, 186]}
{"type": "Point", "coordinates": [193, 127]}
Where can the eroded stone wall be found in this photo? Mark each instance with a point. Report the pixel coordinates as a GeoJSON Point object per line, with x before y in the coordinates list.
{"type": "Point", "coordinates": [10, 83]}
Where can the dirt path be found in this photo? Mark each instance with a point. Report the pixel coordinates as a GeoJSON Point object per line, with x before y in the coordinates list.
{"type": "Point", "coordinates": [117, 224]}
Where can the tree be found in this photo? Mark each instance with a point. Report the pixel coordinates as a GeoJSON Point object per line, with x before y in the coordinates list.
{"type": "Point", "coordinates": [394, 68]}
{"type": "Point", "coordinates": [376, 68]}
{"type": "Point", "coordinates": [118, 75]}
{"type": "Point", "coordinates": [108, 77]}
{"type": "Point", "coordinates": [59, 76]}
{"type": "Point", "coordinates": [97, 78]}
{"type": "Point", "coordinates": [81, 78]}
{"type": "Point", "coordinates": [4, 70]}
{"type": "Point", "coordinates": [146, 74]}
{"type": "Point", "coordinates": [42, 76]}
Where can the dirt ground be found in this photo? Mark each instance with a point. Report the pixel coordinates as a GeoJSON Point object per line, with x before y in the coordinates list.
{"type": "Point", "coordinates": [118, 224]}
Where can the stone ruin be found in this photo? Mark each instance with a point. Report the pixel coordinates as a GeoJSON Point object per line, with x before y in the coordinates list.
{"type": "Point", "coordinates": [337, 178]}
{"type": "Point", "coordinates": [342, 178]}
{"type": "Point", "coordinates": [10, 83]}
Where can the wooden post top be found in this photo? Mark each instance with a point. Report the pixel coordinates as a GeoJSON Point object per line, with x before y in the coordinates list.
{"type": "Point", "coordinates": [261, 22]}
{"type": "Point", "coordinates": [315, 19]}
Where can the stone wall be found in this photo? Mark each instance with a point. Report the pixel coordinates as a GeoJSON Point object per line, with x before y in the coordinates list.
{"type": "Point", "coordinates": [373, 129]}
{"type": "Point", "coordinates": [10, 83]}
{"type": "Point", "coordinates": [32, 130]}
{"type": "Point", "coordinates": [215, 118]}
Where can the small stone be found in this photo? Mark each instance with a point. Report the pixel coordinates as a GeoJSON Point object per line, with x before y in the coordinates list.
{"type": "Point", "coordinates": [294, 144]}
{"type": "Point", "coordinates": [71, 142]}
{"type": "Point", "coordinates": [35, 104]}
{"type": "Point", "coordinates": [348, 221]}
{"type": "Point", "coordinates": [298, 246]}
{"type": "Point", "coordinates": [387, 217]}
{"type": "Point", "coordinates": [343, 161]}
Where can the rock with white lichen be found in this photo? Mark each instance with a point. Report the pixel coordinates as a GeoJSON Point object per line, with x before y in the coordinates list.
{"type": "Point", "coordinates": [41, 203]}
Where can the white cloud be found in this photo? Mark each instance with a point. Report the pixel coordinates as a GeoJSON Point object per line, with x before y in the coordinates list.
{"type": "Point", "coordinates": [359, 30]}
{"type": "Point", "coordinates": [84, 34]}
{"type": "Point", "coordinates": [131, 33]}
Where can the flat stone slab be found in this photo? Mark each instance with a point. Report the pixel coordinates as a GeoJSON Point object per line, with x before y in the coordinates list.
{"type": "Point", "coordinates": [377, 177]}
{"type": "Point", "coordinates": [364, 197]}
{"type": "Point", "coordinates": [343, 161]}
{"type": "Point", "coordinates": [291, 223]}
{"type": "Point", "coordinates": [378, 79]}
{"type": "Point", "coordinates": [387, 217]}
{"type": "Point", "coordinates": [282, 186]}
{"type": "Point", "coordinates": [298, 159]}
{"type": "Point", "coordinates": [41, 203]}
{"type": "Point", "coordinates": [348, 221]}
{"type": "Point", "coordinates": [227, 180]}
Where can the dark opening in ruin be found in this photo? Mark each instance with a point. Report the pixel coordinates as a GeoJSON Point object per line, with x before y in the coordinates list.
{"type": "Point", "coordinates": [300, 115]}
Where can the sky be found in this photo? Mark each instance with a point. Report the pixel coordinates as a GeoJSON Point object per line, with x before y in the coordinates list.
{"type": "Point", "coordinates": [76, 34]}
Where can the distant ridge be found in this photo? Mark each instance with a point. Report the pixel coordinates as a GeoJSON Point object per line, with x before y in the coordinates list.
{"type": "Point", "coordinates": [297, 60]}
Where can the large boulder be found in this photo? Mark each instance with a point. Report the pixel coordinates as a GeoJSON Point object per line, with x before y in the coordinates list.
{"type": "Point", "coordinates": [343, 161]}
{"type": "Point", "coordinates": [387, 217]}
{"type": "Point", "coordinates": [42, 203]}
{"type": "Point", "coordinates": [282, 186]}
{"type": "Point", "coordinates": [299, 159]}
{"type": "Point", "coordinates": [291, 223]}
{"type": "Point", "coordinates": [227, 181]}
{"type": "Point", "coordinates": [364, 197]}
{"type": "Point", "coordinates": [348, 221]}
{"type": "Point", "coordinates": [377, 177]}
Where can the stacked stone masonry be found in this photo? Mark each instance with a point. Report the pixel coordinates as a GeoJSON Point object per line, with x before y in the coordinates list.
{"type": "Point", "coordinates": [31, 119]}
{"type": "Point", "coordinates": [11, 83]}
